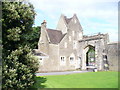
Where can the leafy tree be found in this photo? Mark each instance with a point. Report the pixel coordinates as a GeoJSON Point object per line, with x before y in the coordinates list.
{"type": "Point", "coordinates": [19, 65]}
{"type": "Point", "coordinates": [33, 37]}
{"type": "Point", "coordinates": [19, 68]}
{"type": "Point", "coordinates": [18, 19]}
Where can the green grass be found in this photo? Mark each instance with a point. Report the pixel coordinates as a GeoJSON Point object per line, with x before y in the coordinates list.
{"type": "Point", "coordinates": [79, 80]}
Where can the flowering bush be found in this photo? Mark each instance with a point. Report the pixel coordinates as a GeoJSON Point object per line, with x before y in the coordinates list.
{"type": "Point", "coordinates": [19, 69]}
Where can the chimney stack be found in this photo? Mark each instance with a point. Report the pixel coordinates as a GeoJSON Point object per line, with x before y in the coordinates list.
{"type": "Point", "coordinates": [44, 23]}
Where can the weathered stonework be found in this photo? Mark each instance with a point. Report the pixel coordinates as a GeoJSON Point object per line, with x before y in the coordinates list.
{"type": "Point", "coordinates": [112, 53]}
{"type": "Point", "coordinates": [66, 48]}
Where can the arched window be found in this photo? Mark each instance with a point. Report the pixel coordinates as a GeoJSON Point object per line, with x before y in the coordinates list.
{"type": "Point", "coordinates": [72, 59]}
{"type": "Point", "coordinates": [62, 60]}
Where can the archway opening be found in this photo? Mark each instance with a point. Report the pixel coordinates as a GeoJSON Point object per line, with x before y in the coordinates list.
{"type": "Point", "coordinates": [90, 56]}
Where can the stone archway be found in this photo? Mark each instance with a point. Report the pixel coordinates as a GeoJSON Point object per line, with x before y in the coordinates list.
{"type": "Point", "coordinates": [88, 60]}
{"type": "Point", "coordinates": [90, 56]}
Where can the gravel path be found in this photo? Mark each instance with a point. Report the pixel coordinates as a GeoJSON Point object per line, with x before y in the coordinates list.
{"type": "Point", "coordinates": [59, 73]}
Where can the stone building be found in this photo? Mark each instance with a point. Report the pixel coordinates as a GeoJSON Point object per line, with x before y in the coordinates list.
{"type": "Point", "coordinates": [67, 48]}
{"type": "Point", "coordinates": [113, 56]}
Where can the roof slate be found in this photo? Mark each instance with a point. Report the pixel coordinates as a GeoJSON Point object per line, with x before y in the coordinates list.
{"type": "Point", "coordinates": [38, 53]}
{"type": "Point", "coordinates": [55, 36]}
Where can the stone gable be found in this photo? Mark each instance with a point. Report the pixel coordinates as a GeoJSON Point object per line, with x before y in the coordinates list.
{"type": "Point", "coordinates": [67, 48]}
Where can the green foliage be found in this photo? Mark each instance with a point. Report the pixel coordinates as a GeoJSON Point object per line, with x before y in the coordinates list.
{"type": "Point", "coordinates": [14, 34]}
{"type": "Point", "coordinates": [33, 37]}
{"type": "Point", "coordinates": [91, 53]}
{"type": "Point", "coordinates": [18, 69]}
{"type": "Point", "coordinates": [19, 65]}
{"type": "Point", "coordinates": [17, 21]}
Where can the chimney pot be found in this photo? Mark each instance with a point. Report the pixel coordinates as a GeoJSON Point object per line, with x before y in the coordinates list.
{"type": "Point", "coordinates": [44, 23]}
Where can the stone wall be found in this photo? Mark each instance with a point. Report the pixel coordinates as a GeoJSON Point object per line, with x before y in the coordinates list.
{"type": "Point", "coordinates": [112, 54]}
{"type": "Point", "coordinates": [66, 52]}
{"type": "Point", "coordinates": [97, 41]}
{"type": "Point", "coordinates": [52, 63]}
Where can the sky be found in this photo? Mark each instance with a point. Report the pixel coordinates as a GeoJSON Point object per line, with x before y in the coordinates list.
{"type": "Point", "coordinates": [94, 15]}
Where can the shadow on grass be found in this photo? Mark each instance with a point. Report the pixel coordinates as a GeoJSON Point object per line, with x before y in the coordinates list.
{"type": "Point", "coordinates": [39, 82]}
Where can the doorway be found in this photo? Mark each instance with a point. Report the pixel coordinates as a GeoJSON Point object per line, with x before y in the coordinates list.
{"type": "Point", "coordinates": [90, 56]}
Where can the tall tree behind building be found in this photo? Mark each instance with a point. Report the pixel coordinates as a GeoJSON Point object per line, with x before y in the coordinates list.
{"type": "Point", "coordinates": [32, 37]}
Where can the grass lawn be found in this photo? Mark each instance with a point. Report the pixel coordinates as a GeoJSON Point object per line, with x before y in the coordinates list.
{"type": "Point", "coordinates": [79, 80]}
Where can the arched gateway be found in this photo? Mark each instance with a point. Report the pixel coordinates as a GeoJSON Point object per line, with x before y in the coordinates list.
{"type": "Point", "coordinates": [91, 50]}
{"type": "Point", "coordinates": [90, 56]}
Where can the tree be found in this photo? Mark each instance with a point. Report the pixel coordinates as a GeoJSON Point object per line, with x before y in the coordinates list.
{"type": "Point", "coordinates": [19, 68]}
{"type": "Point", "coordinates": [19, 65]}
{"type": "Point", "coordinates": [33, 37]}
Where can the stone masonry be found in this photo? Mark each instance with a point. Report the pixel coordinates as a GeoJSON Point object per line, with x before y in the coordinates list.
{"type": "Point", "coordinates": [66, 47]}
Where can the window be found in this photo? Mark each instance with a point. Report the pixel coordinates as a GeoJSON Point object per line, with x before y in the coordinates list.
{"type": "Point", "coordinates": [62, 60]}
{"type": "Point", "coordinates": [80, 36]}
{"type": "Point", "coordinates": [64, 30]}
{"type": "Point", "coordinates": [74, 44]}
{"type": "Point", "coordinates": [104, 57]}
{"type": "Point", "coordinates": [71, 58]}
{"type": "Point", "coordinates": [69, 38]}
{"type": "Point", "coordinates": [75, 21]}
{"type": "Point", "coordinates": [73, 33]}
{"type": "Point", "coordinates": [41, 61]}
{"type": "Point", "coordinates": [65, 44]}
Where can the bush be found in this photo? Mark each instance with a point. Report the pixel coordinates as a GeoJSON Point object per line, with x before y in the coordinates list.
{"type": "Point", "coordinates": [19, 69]}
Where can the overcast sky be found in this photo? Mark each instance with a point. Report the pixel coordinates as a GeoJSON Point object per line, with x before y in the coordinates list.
{"type": "Point", "coordinates": [94, 15]}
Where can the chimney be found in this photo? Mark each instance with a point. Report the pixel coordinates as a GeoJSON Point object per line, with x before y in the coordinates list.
{"type": "Point", "coordinates": [44, 23]}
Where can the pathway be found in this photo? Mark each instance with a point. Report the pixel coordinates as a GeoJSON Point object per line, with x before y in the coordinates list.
{"type": "Point", "coordinates": [60, 73]}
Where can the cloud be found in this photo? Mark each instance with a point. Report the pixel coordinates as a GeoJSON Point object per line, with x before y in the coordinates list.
{"type": "Point", "coordinates": [86, 8]}
{"type": "Point", "coordinates": [113, 34]}
{"type": "Point", "coordinates": [94, 15]}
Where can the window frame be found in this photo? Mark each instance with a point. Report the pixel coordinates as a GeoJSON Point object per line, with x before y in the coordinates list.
{"type": "Point", "coordinates": [62, 61]}
{"type": "Point", "coordinates": [71, 61]}
{"type": "Point", "coordinates": [65, 44]}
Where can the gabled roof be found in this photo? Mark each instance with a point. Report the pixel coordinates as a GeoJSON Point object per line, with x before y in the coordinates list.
{"type": "Point", "coordinates": [36, 52]}
{"type": "Point", "coordinates": [39, 54]}
{"type": "Point", "coordinates": [67, 19]}
{"type": "Point", "coordinates": [55, 36]}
